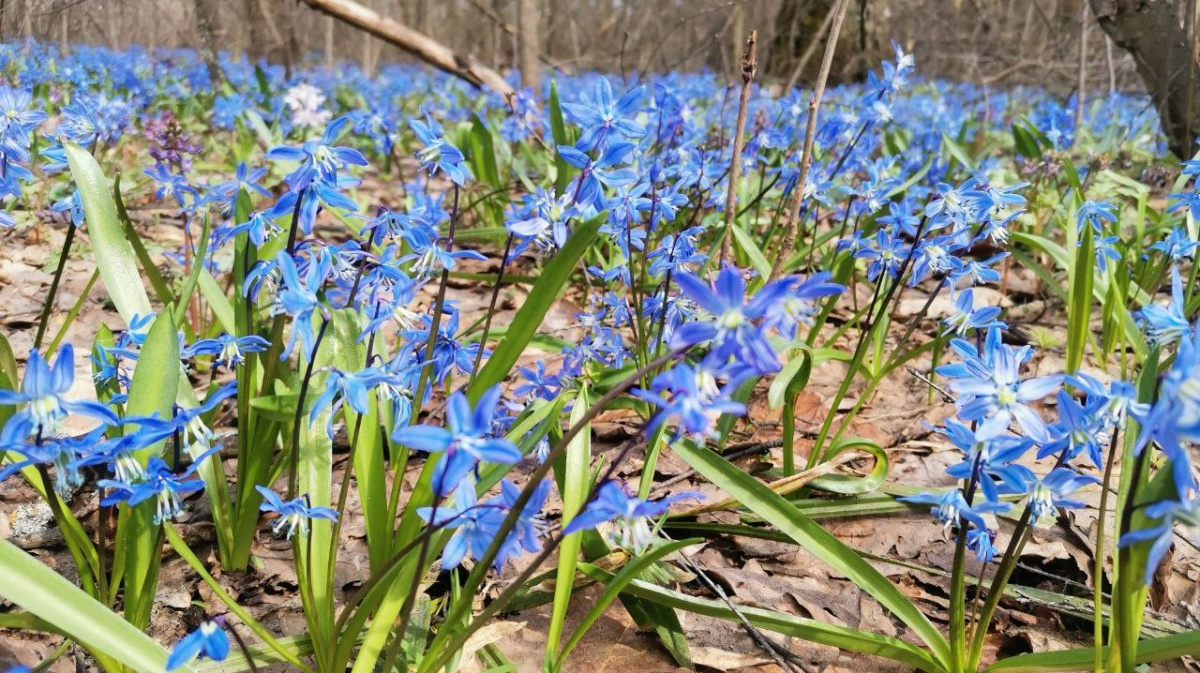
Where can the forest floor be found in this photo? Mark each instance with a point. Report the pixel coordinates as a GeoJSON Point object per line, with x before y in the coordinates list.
{"type": "Point", "coordinates": [909, 547]}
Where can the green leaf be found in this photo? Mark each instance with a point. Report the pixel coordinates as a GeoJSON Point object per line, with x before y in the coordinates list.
{"type": "Point", "coordinates": [529, 317]}
{"type": "Point", "coordinates": [757, 258]}
{"type": "Point", "coordinates": [840, 637]}
{"type": "Point", "coordinates": [113, 255]}
{"type": "Point", "coordinates": [852, 485]}
{"type": "Point", "coordinates": [9, 380]}
{"type": "Point", "coordinates": [958, 152]}
{"type": "Point", "coordinates": [155, 380]}
{"type": "Point", "coordinates": [1079, 307]}
{"type": "Point", "coordinates": [558, 130]}
{"type": "Point", "coordinates": [32, 585]}
{"type": "Point", "coordinates": [1149, 651]}
{"type": "Point", "coordinates": [628, 573]}
{"type": "Point", "coordinates": [1025, 143]}
{"type": "Point", "coordinates": [151, 393]}
{"type": "Point", "coordinates": [575, 483]}
{"type": "Point", "coordinates": [810, 535]}
{"type": "Point", "coordinates": [161, 288]}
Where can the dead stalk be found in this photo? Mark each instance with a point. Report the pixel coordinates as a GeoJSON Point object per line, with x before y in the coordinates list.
{"type": "Point", "coordinates": [793, 226]}
{"type": "Point", "coordinates": [749, 65]}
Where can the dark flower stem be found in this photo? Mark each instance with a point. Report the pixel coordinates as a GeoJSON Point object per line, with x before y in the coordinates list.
{"type": "Point", "coordinates": [293, 478]}
{"type": "Point", "coordinates": [48, 306]}
{"type": "Point", "coordinates": [491, 312]}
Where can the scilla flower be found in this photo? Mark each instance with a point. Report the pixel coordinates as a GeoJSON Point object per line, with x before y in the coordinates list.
{"type": "Point", "coordinates": [294, 514]}
{"type": "Point", "coordinates": [43, 390]}
{"type": "Point", "coordinates": [466, 441]}
{"type": "Point", "coordinates": [630, 515]}
{"type": "Point", "coordinates": [210, 640]}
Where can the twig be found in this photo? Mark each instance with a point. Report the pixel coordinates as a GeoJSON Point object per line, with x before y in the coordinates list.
{"type": "Point", "coordinates": [769, 646]}
{"type": "Point", "coordinates": [789, 240]}
{"type": "Point", "coordinates": [946, 397]}
{"type": "Point", "coordinates": [749, 65]}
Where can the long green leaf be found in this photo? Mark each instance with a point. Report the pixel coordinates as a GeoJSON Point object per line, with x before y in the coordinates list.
{"type": "Point", "coordinates": [841, 637]}
{"type": "Point", "coordinates": [628, 573]}
{"type": "Point", "coordinates": [810, 535]}
{"type": "Point", "coordinates": [32, 585]}
{"type": "Point", "coordinates": [119, 270]}
{"type": "Point", "coordinates": [558, 130]}
{"type": "Point", "coordinates": [574, 481]}
{"type": "Point", "coordinates": [113, 255]}
{"type": "Point", "coordinates": [757, 259]}
{"type": "Point", "coordinates": [1148, 652]}
{"type": "Point", "coordinates": [529, 317]}
{"type": "Point", "coordinates": [1079, 307]}
{"type": "Point", "coordinates": [151, 393]}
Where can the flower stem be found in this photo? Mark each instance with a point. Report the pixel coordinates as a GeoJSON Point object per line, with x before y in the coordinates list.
{"type": "Point", "coordinates": [48, 306]}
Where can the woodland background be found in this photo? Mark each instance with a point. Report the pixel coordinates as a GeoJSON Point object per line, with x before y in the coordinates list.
{"type": "Point", "coordinates": [989, 42]}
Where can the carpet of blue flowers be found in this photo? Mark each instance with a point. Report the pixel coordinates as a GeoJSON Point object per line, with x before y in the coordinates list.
{"type": "Point", "coordinates": [296, 355]}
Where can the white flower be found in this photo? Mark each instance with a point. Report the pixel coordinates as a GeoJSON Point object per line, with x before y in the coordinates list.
{"type": "Point", "coordinates": [305, 100]}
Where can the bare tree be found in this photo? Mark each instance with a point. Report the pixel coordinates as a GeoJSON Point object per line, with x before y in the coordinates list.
{"type": "Point", "coordinates": [1151, 31]}
{"type": "Point", "coordinates": [529, 15]}
{"type": "Point", "coordinates": [206, 17]}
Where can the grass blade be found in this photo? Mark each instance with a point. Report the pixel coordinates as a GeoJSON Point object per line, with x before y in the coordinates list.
{"type": "Point", "coordinates": [810, 535]}
{"type": "Point", "coordinates": [32, 585]}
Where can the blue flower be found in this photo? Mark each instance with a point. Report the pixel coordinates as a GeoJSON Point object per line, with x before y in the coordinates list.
{"type": "Point", "coordinates": [1162, 535]}
{"type": "Point", "coordinates": [886, 255]}
{"type": "Point", "coordinates": [293, 514]}
{"type": "Point", "coordinates": [466, 439]}
{"type": "Point", "coordinates": [696, 400]}
{"type": "Point", "coordinates": [475, 525]}
{"type": "Point", "coordinates": [600, 115]}
{"type": "Point", "coordinates": [952, 509]}
{"type": "Point", "coordinates": [630, 514]}
{"type": "Point", "coordinates": [160, 483]}
{"type": "Point", "coordinates": [209, 641]}
{"type": "Point", "coordinates": [1052, 492]}
{"type": "Point", "coordinates": [298, 299]}
{"type": "Point", "coordinates": [438, 153]}
{"type": "Point", "coordinates": [1167, 325]}
{"type": "Point", "coordinates": [349, 388]}
{"type": "Point", "coordinates": [42, 393]}
{"type": "Point", "coordinates": [229, 350]}
{"type": "Point", "coordinates": [990, 388]}
{"type": "Point", "coordinates": [1177, 245]}
{"type": "Point", "coordinates": [731, 329]}
{"type": "Point", "coordinates": [1079, 430]}
{"type": "Point", "coordinates": [966, 317]}
{"type": "Point", "coordinates": [1095, 213]}
{"type": "Point", "coordinates": [798, 305]}
{"type": "Point", "coordinates": [319, 159]}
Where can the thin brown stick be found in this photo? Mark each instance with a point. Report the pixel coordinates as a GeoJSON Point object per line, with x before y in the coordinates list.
{"type": "Point", "coordinates": [749, 66]}
{"type": "Point", "coordinates": [793, 226]}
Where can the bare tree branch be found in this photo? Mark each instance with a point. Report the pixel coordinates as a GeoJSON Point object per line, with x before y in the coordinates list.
{"type": "Point", "coordinates": [420, 45]}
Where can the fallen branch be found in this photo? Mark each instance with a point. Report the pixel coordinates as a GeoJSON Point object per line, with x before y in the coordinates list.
{"type": "Point", "coordinates": [418, 44]}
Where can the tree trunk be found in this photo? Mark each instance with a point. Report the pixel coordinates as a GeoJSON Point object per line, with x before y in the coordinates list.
{"type": "Point", "coordinates": [529, 15]}
{"type": "Point", "coordinates": [1150, 30]}
{"type": "Point", "coordinates": [800, 23]}
{"type": "Point", "coordinates": [206, 17]}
